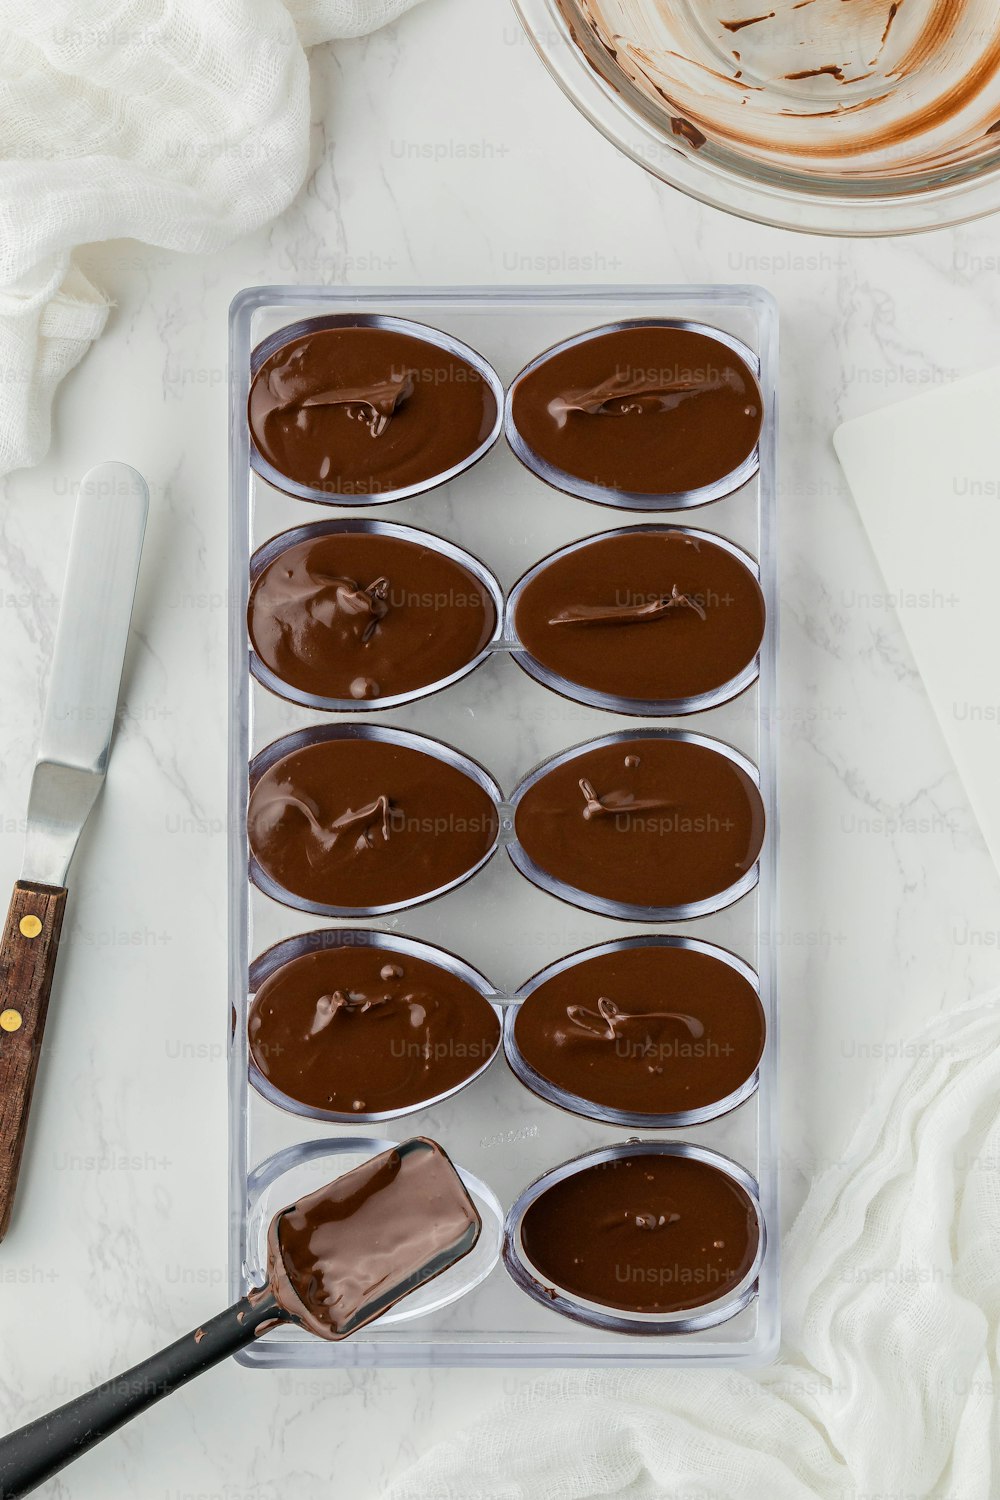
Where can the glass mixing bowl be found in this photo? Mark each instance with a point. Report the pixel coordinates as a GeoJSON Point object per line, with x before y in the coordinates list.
{"type": "Point", "coordinates": [860, 117]}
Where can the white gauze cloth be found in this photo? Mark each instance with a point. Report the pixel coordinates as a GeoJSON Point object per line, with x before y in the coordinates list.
{"type": "Point", "coordinates": [181, 123]}
{"type": "Point", "coordinates": [886, 1387]}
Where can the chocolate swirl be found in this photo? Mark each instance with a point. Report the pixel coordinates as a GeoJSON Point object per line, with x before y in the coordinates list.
{"type": "Point", "coordinates": [366, 411]}
{"type": "Point", "coordinates": [365, 615]}
{"type": "Point", "coordinates": [625, 395]}
{"type": "Point", "coordinates": [342, 1031]}
{"type": "Point", "coordinates": [647, 1029]}
{"type": "Point", "coordinates": [651, 615]}
{"type": "Point", "coordinates": [628, 614]}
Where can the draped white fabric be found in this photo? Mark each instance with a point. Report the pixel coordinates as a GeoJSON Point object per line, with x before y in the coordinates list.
{"type": "Point", "coordinates": [180, 123]}
{"type": "Point", "coordinates": [886, 1385]}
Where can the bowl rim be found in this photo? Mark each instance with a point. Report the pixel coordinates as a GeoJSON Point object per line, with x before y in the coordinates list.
{"type": "Point", "coordinates": [821, 211]}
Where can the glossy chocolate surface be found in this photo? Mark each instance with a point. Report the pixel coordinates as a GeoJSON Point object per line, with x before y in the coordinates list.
{"type": "Point", "coordinates": [646, 410]}
{"type": "Point", "coordinates": [652, 1030]}
{"type": "Point", "coordinates": [366, 411]}
{"type": "Point", "coordinates": [363, 615]}
{"type": "Point", "coordinates": [643, 1233]}
{"type": "Point", "coordinates": [347, 1253]}
{"type": "Point", "coordinates": [363, 1030]}
{"type": "Point", "coordinates": [648, 615]}
{"type": "Point", "coordinates": [646, 821]}
{"type": "Point", "coordinates": [356, 823]}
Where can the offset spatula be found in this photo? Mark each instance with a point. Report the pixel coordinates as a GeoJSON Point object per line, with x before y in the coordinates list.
{"type": "Point", "coordinates": [77, 726]}
{"type": "Point", "coordinates": [336, 1260]}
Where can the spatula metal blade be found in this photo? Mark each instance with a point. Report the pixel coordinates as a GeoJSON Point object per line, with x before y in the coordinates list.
{"type": "Point", "coordinates": [85, 680]}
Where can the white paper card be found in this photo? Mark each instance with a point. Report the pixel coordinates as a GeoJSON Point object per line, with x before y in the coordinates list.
{"type": "Point", "coordinates": [926, 478]}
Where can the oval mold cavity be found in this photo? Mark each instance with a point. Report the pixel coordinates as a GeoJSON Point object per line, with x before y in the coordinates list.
{"type": "Point", "coordinates": [364, 408]}
{"type": "Point", "coordinates": [359, 615]}
{"type": "Point", "coordinates": [649, 414]}
{"type": "Point", "coordinates": [350, 820]}
{"type": "Point", "coordinates": [648, 1031]}
{"type": "Point", "coordinates": [650, 825]}
{"type": "Point", "coordinates": [353, 1026]}
{"type": "Point", "coordinates": [648, 620]}
{"type": "Point", "coordinates": [645, 1238]}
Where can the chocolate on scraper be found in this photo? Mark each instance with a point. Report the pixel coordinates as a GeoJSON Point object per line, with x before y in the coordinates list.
{"type": "Point", "coordinates": [347, 1253]}
{"type": "Point", "coordinates": [359, 412]}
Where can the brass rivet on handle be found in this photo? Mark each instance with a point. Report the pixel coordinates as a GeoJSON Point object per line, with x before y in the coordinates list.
{"type": "Point", "coordinates": [30, 927]}
{"type": "Point", "coordinates": [10, 1020]}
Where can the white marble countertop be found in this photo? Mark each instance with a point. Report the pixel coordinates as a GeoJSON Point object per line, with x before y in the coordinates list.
{"type": "Point", "coordinates": [469, 168]}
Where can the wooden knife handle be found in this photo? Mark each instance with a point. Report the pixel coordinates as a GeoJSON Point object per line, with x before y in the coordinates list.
{"type": "Point", "coordinates": [27, 962]}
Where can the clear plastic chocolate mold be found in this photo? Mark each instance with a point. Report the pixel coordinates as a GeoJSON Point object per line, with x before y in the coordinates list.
{"type": "Point", "coordinates": [645, 1052]}
{"type": "Point", "coordinates": [503, 721]}
{"type": "Point", "coordinates": [707, 1313]}
{"type": "Point", "coordinates": [660, 705]}
{"type": "Point", "coordinates": [483, 582]}
{"type": "Point", "coordinates": [619, 495]}
{"type": "Point", "coordinates": [393, 947]}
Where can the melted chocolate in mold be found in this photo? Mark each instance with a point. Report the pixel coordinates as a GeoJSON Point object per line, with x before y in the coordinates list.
{"type": "Point", "coordinates": [644, 1234]}
{"type": "Point", "coordinates": [654, 1030]}
{"type": "Point", "coordinates": [654, 616]}
{"type": "Point", "coordinates": [647, 409]}
{"type": "Point", "coordinates": [648, 822]}
{"type": "Point", "coordinates": [356, 823]}
{"type": "Point", "coordinates": [359, 1030]}
{"type": "Point", "coordinates": [361, 615]}
{"type": "Point", "coordinates": [367, 411]}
